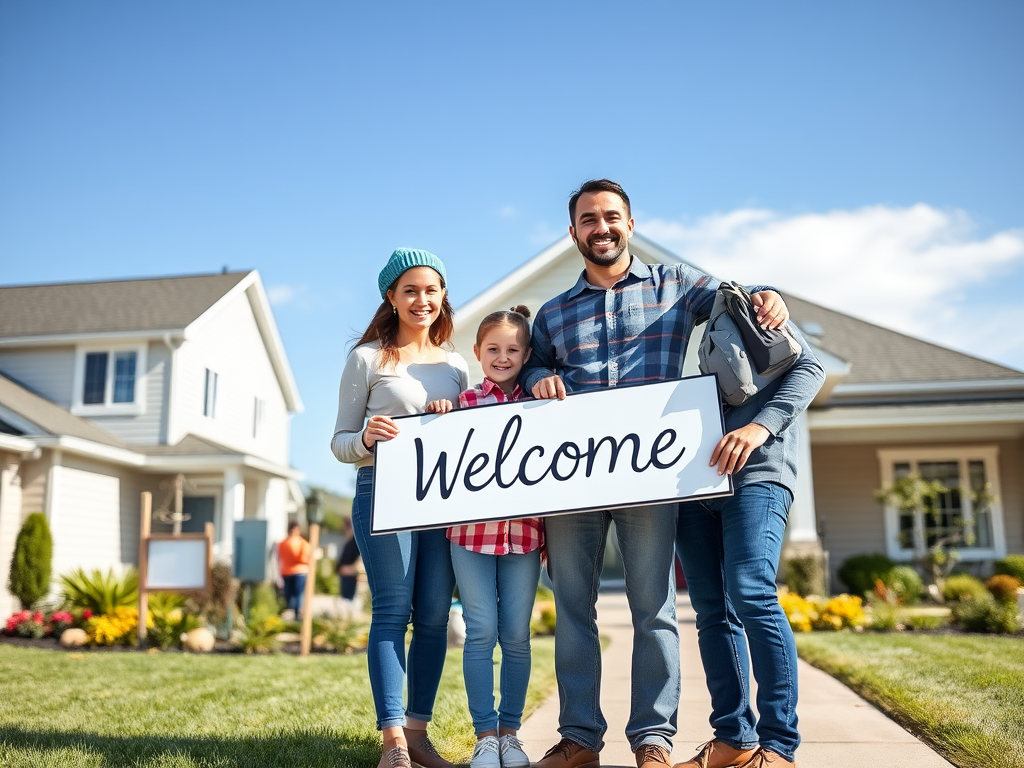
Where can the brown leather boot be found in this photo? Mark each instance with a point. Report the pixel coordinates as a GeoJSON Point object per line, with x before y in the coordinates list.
{"type": "Point", "coordinates": [652, 756]}
{"type": "Point", "coordinates": [765, 758]}
{"type": "Point", "coordinates": [569, 754]}
{"type": "Point", "coordinates": [718, 754]}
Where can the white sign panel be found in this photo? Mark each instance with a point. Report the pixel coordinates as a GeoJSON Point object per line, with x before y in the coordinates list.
{"type": "Point", "coordinates": [617, 447]}
{"type": "Point", "coordinates": [178, 563]}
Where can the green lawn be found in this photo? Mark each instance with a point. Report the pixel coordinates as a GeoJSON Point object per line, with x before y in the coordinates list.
{"type": "Point", "coordinates": [61, 710]}
{"type": "Point", "coordinates": [963, 694]}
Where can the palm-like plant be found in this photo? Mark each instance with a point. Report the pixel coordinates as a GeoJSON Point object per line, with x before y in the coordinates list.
{"type": "Point", "coordinates": [100, 592]}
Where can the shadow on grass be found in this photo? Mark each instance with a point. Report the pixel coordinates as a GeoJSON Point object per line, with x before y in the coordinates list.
{"type": "Point", "coordinates": [312, 749]}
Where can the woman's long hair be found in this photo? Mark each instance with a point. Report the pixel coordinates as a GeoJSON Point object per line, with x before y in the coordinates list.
{"type": "Point", "coordinates": [383, 329]}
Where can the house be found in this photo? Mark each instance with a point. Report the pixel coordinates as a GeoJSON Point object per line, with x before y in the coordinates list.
{"type": "Point", "coordinates": [109, 389]}
{"type": "Point", "coordinates": [891, 405]}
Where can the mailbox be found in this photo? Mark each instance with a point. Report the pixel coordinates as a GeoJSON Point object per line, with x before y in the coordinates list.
{"type": "Point", "coordinates": [251, 550]}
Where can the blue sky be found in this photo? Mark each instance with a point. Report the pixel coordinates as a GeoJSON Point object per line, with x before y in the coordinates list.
{"type": "Point", "coordinates": [864, 155]}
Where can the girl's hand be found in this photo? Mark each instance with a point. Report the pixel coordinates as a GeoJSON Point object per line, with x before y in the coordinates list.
{"type": "Point", "coordinates": [440, 406]}
{"type": "Point", "coordinates": [378, 428]}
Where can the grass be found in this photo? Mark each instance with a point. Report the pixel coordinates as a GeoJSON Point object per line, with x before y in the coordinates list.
{"type": "Point", "coordinates": [107, 710]}
{"type": "Point", "coordinates": [961, 694]}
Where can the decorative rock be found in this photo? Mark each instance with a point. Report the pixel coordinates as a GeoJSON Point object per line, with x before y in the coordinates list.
{"type": "Point", "coordinates": [73, 638]}
{"type": "Point", "coordinates": [198, 640]}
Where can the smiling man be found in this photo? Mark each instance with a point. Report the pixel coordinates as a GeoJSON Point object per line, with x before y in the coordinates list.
{"type": "Point", "coordinates": [623, 322]}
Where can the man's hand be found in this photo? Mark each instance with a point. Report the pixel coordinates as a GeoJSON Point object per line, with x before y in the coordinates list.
{"type": "Point", "coordinates": [735, 448]}
{"type": "Point", "coordinates": [772, 311]}
{"type": "Point", "coordinates": [378, 428]}
{"type": "Point", "coordinates": [549, 388]}
{"type": "Point", "coordinates": [440, 406]}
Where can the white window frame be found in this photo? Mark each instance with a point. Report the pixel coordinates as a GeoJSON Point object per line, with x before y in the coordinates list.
{"type": "Point", "coordinates": [108, 407]}
{"type": "Point", "coordinates": [962, 454]}
{"type": "Point", "coordinates": [210, 398]}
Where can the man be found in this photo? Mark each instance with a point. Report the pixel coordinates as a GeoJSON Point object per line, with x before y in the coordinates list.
{"type": "Point", "coordinates": [622, 323]}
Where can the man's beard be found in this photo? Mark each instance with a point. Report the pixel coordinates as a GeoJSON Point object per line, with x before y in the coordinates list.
{"type": "Point", "coordinates": [606, 258]}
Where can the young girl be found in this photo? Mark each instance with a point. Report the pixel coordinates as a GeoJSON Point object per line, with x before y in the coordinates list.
{"type": "Point", "coordinates": [497, 565]}
{"type": "Point", "coordinates": [398, 365]}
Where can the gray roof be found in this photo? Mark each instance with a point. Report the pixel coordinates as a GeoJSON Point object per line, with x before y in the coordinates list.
{"type": "Point", "coordinates": [189, 445]}
{"type": "Point", "coordinates": [50, 417]}
{"type": "Point", "coordinates": [161, 303]}
{"type": "Point", "coordinates": [880, 355]}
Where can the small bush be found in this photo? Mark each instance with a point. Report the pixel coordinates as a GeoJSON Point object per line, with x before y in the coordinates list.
{"type": "Point", "coordinates": [885, 616]}
{"type": "Point", "coordinates": [346, 636]}
{"type": "Point", "coordinates": [963, 586]}
{"type": "Point", "coordinates": [1003, 587]}
{"type": "Point", "coordinates": [31, 562]}
{"type": "Point", "coordinates": [102, 593]}
{"type": "Point", "coordinates": [906, 584]}
{"type": "Point", "coordinates": [986, 614]}
{"type": "Point", "coordinates": [170, 620]}
{"type": "Point", "coordinates": [924, 621]}
{"type": "Point", "coordinates": [860, 572]}
{"type": "Point", "coordinates": [327, 580]}
{"type": "Point", "coordinates": [804, 575]}
{"type": "Point", "coordinates": [1011, 565]}
{"type": "Point", "coordinates": [263, 602]}
{"type": "Point", "coordinates": [261, 636]}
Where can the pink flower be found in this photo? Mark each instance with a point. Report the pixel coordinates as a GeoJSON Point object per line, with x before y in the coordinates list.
{"type": "Point", "coordinates": [86, 614]}
{"type": "Point", "coordinates": [37, 617]}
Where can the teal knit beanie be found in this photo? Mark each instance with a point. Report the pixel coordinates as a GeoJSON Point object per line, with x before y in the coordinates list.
{"type": "Point", "coordinates": [404, 259]}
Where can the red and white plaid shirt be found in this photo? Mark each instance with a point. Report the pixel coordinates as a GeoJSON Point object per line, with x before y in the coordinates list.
{"type": "Point", "coordinates": [500, 537]}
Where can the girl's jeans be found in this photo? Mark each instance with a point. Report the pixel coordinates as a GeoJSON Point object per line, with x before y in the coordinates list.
{"type": "Point", "coordinates": [411, 579]}
{"type": "Point", "coordinates": [730, 550]}
{"type": "Point", "coordinates": [497, 593]}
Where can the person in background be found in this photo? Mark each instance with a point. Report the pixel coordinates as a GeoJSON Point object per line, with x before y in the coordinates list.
{"type": "Point", "coordinates": [399, 365]}
{"type": "Point", "coordinates": [348, 573]}
{"type": "Point", "coordinates": [293, 557]}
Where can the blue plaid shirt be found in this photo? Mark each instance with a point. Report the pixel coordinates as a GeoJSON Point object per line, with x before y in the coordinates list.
{"type": "Point", "coordinates": [632, 333]}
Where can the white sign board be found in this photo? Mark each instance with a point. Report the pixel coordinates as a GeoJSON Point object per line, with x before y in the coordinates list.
{"type": "Point", "coordinates": [617, 447]}
{"type": "Point", "coordinates": [177, 563]}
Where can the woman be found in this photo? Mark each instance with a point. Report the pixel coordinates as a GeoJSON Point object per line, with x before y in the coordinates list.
{"type": "Point", "coordinates": [397, 367]}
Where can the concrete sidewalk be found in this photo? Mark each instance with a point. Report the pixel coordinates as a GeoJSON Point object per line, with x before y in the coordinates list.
{"type": "Point", "coordinates": [839, 729]}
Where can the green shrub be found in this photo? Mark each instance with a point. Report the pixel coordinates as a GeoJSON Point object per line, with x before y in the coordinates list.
{"type": "Point", "coordinates": [170, 620]}
{"type": "Point", "coordinates": [345, 635]}
{"type": "Point", "coordinates": [261, 636]}
{"type": "Point", "coordinates": [986, 614]}
{"type": "Point", "coordinates": [327, 581]}
{"type": "Point", "coordinates": [804, 575]}
{"type": "Point", "coordinates": [263, 602]}
{"type": "Point", "coordinates": [906, 583]}
{"type": "Point", "coordinates": [860, 572]}
{"type": "Point", "coordinates": [924, 621]}
{"type": "Point", "coordinates": [1003, 587]}
{"type": "Point", "coordinates": [884, 616]}
{"type": "Point", "coordinates": [31, 562]}
{"type": "Point", "coordinates": [1011, 565]}
{"type": "Point", "coordinates": [102, 593]}
{"type": "Point", "coordinates": [963, 586]}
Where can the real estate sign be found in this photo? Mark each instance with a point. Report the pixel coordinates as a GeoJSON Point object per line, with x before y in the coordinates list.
{"type": "Point", "coordinates": [617, 447]}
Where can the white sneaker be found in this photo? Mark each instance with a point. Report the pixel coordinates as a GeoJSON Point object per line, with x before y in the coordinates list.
{"type": "Point", "coordinates": [485, 753]}
{"type": "Point", "coordinates": [512, 754]}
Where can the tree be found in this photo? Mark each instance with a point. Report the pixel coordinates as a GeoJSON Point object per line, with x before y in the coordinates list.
{"type": "Point", "coordinates": [32, 561]}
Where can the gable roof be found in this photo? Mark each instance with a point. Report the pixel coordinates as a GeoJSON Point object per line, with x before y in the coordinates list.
{"type": "Point", "coordinates": [148, 304]}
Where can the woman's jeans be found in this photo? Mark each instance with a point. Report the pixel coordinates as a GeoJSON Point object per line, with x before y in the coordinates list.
{"type": "Point", "coordinates": [411, 579]}
{"type": "Point", "coordinates": [497, 593]}
{"type": "Point", "coordinates": [294, 591]}
{"type": "Point", "coordinates": [730, 550]}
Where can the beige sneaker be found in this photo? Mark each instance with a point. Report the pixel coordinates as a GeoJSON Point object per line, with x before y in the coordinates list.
{"type": "Point", "coordinates": [718, 754]}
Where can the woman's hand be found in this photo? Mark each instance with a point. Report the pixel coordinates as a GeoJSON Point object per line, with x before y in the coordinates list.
{"type": "Point", "coordinates": [735, 448]}
{"type": "Point", "coordinates": [378, 428]}
{"type": "Point", "coordinates": [440, 406]}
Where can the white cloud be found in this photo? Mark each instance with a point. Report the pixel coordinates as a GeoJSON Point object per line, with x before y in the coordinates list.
{"type": "Point", "coordinates": [508, 212]}
{"type": "Point", "coordinates": [918, 270]}
{"type": "Point", "coordinates": [279, 295]}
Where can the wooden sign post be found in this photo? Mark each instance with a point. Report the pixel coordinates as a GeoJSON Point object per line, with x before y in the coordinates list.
{"type": "Point", "coordinates": [306, 638]}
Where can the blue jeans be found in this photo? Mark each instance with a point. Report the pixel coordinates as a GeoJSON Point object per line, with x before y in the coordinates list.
{"type": "Point", "coordinates": [497, 593]}
{"type": "Point", "coordinates": [411, 579]}
{"type": "Point", "coordinates": [294, 591]}
{"type": "Point", "coordinates": [730, 550]}
{"type": "Point", "coordinates": [576, 554]}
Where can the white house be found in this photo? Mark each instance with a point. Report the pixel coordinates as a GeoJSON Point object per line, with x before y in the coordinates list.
{"type": "Point", "coordinates": [108, 389]}
{"type": "Point", "coordinates": [891, 404]}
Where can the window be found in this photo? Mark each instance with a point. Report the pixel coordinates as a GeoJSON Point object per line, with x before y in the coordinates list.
{"type": "Point", "coordinates": [969, 510]}
{"type": "Point", "coordinates": [257, 417]}
{"type": "Point", "coordinates": [210, 395]}
{"type": "Point", "coordinates": [108, 381]}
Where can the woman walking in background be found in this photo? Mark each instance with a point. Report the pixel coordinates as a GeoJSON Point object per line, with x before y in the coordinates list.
{"type": "Point", "coordinates": [397, 367]}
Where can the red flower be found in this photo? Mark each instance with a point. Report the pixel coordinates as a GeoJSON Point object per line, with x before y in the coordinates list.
{"type": "Point", "coordinates": [37, 617]}
{"type": "Point", "coordinates": [86, 614]}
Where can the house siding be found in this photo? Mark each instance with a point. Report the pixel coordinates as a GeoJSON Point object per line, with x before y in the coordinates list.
{"type": "Point", "coordinates": [230, 344]}
{"type": "Point", "coordinates": [47, 371]}
{"type": "Point", "coordinates": [10, 522]}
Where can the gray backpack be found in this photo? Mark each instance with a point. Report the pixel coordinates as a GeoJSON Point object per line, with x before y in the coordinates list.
{"type": "Point", "coordinates": [744, 356]}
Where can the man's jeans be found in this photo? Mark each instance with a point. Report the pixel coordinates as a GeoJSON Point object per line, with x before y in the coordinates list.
{"type": "Point", "coordinates": [294, 591]}
{"type": "Point", "coordinates": [411, 579]}
{"type": "Point", "coordinates": [730, 550]}
{"type": "Point", "coordinates": [576, 554]}
{"type": "Point", "coordinates": [497, 593]}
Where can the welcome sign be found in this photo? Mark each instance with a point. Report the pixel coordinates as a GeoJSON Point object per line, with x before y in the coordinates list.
{"type": "Point", "coordinates": [611, 448]}
{"type": "Point", "coordinates": [617, 447]}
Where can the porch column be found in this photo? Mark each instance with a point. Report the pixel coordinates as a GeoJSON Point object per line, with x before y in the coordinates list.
{"type": "Point", "coordinates": [802, 528]}
{"type": "Point", "coordinates": [232, 509]}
